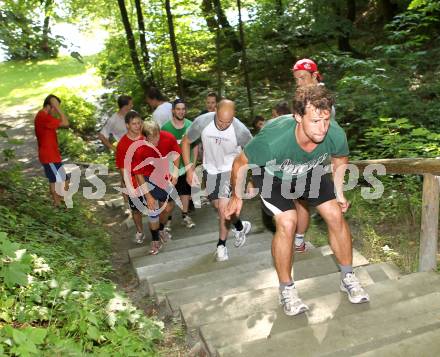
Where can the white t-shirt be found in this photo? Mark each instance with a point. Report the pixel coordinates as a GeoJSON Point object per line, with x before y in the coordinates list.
{"type": "Point", "coordinates": [114, 126]}
{"type": "Point", "coordinates": [220, 147]}
{"type": "Point", "coordinates": [163, 113]}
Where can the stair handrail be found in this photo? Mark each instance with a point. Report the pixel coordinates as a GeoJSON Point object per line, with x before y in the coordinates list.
{"type": "Point", "coordinates": [430, 169]}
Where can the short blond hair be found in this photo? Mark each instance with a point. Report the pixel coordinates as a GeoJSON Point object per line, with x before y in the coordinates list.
{"type": "Point", "coordinates": [150, 128]}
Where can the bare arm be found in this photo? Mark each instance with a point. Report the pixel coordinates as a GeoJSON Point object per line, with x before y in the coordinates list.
{"type": "Point", "coordinates": [339, 166]}
{"type": "Point", "coordinates": [186, 156]}
{"type": "Point", "coordinates": [106, 142]}
{"type": "Point", "coordinates": [63, 117]}
{"type": "Point", "coordinates": [238, 179]}
{"type": "Point", "coordinates": [195, 154]}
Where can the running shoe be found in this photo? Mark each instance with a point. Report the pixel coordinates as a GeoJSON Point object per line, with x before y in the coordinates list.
{"type": "Point", "coordinates": [300, 248]}
{"type": "Point", "coordinates": [240, 236]}
{"type": "Point", "coordinates": [356, 293]}
{"type": "Point", "coordinates": [188, 222]}
{"type": "Point", "coordinates": [221, 254]}
{"type": "Point", "coordinates": [292, 304]}
{"type": "Point", "coordinates": [168, 226]}
{"type": "Point", "coordinates": [164, 236]}
{"type": "Point", "coordinates": [156, 246]}
{"type": "Point", "coordinates": [139, 238]}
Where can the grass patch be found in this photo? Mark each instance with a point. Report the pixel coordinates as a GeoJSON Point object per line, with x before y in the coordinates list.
{"type": "Point", "coordinates": [26, 83]}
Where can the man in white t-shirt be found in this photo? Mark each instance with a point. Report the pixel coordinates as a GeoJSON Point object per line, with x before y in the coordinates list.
{"type": "Point", "coordinates": [115, 126]}
{"type": "Point", "coordinates": [223, 136]}
{"type": "Point", "coordinates": [163, 110]}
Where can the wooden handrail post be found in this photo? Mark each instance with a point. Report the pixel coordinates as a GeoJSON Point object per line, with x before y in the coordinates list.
{"type": "Point", "coordinates": [429, 228]}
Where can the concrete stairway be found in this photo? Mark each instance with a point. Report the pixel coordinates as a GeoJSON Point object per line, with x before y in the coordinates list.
{"type": "Point", "coordinates": [234, 305]}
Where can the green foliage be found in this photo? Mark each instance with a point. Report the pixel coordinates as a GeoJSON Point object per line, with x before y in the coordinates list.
{"type": "Point", "coordinates": [21, 33]}
{"type": "Point", "coordinates": [55, 295]}
{"type": "Point", "coordinates": [398, 138]}
{"type": "Point", "coordinates": [81, 113]}
{"type": "Point", "coordinates": [77, 149]}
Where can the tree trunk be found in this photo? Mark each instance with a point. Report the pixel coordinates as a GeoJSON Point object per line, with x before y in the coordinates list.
{"type": "Point", "coordinates": [279, 7]}
{"type": "Point", "coordinates": [245, 62]}
{"type": "Point", "coordinates": [132, 46]}
{"type": "Point", "coordinates": [208, 14]}
{"type": "Point", "coordinates": [218, 63]}
{"type": "Point", "coordinates": [389, 9]}
{"type": "Point", "coordinates": [228, 30]}
{"type": "Point", "coordinates": [143, 43]}
{"type": "Point", "coordinates": [174, 48]}
{"type": "Point", "coordinates": [46, 28]}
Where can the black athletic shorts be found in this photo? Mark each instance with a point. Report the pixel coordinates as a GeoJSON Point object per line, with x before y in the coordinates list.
{"type": "Point", "coordinates": [182, 187]}
{"type": "Point", "coordinates": [217, 186]}
{"type": "Point", "coordinates": [139, 200]}
{"type": "Point", "coordinates": [277, 196]}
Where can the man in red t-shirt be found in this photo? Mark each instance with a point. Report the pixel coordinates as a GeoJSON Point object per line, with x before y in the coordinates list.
{"type": "Point", "coordinates": [152, 169]}
{"type": "Point", "coordinates": [133, 122]}
{"type": "Point", "coordinates": [46, 125]}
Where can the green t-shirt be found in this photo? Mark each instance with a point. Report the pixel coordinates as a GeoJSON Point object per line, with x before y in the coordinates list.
{"type": "Point", "coordinates": [275, 147]}
{"type": "Point", "coordinates": [178, 134]}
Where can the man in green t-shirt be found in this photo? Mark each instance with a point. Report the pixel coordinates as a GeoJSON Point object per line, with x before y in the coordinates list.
{"type": "Point", "coordinates": [293, 157]}
{"type": "Point", "coordinates": [178, 126]}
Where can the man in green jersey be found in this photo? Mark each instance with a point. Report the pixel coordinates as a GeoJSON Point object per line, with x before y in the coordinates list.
{"type": "Point", "coordinates": [178, 126]}
{"type": "Point", "coordinates": [293, 156]}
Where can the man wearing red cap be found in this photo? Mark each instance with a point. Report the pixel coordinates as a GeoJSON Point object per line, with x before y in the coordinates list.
{"type": "Point", "coordinates": [306, 73]}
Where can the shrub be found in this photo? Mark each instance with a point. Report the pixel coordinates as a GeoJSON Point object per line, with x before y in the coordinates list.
{"type": "Point", "coordinates": [55, 297]}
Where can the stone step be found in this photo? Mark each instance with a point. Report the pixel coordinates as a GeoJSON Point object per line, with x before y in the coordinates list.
{"type": "Point", "coordinates": [316, 280]}
{"type": "Point", "coordinates": [337, 337]}
{"type": "Point", "coordinates": [255, 274]}
{"type": "Point", "coordinates": [424, 344]}
{"type": "Point", "coordinates": [214, 285]}
{"type": "Point", "coordinates": [186, 242]}
{"type": "Point", "coordinates": [150, 261]}
{"type": "Point", "coordinates": [198, 264]}
{"type": "Point", "coordinates": [174, 244]}
{"type": "Point", "coordinates": [264, 324]}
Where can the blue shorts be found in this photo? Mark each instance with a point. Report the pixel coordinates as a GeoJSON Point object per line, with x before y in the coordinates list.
{"type": "Point", "coordinates": [55, 172]}
{"type": "Point", "coordinates": [157, 192]}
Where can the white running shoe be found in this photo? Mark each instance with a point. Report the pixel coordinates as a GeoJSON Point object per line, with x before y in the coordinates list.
{"type": "Point", "coordinates": [221, 254]}
{"type": "Point", "coordinates": [240, 236]}
{"type": "Point", "coordinates": [164, 236]}
{"type": "Point", "coordinates": [168, 226]}
{"type": "Point", "coordinates": [188, 222]}
{"type": "Point", "coordinates": [139, 238]}
{"type": "Point", "coordinates": [356, 293]}
{"type": "Point", "coordinates": [292, 304]}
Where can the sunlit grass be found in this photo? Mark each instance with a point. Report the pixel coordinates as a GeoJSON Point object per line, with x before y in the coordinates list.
{"type": "Point", "coordinates": [26, 83]}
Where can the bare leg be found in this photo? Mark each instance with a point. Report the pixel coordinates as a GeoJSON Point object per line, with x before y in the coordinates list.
{"type": "Point", "coordinates": [302, 212]}
{"type": "Point", "coordinates": [338, 231]}
{"type": "Point", "coordinates": [185, 203]}
{"type": "Point", "coordinates": [220, 204]}
{"type": "Point", "coordinates": [282, 244]}
{"type": "Point", "coordinates": [56, 198]}
{"type": "Point", "coordinates": [163, 217]}
{"type": "Point", "coordinates": [137, 219]}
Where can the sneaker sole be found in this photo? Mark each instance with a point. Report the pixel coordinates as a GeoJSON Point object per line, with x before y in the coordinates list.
{"type": "Point", "coordinates": [352, 300]}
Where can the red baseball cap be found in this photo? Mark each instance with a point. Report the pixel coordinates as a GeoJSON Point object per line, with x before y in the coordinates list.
{"type": "Point", "coordinates": [308, 65]}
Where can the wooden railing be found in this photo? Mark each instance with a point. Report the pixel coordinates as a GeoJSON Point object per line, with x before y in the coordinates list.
{"type": "Point", "coordinates": [430, 169]}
